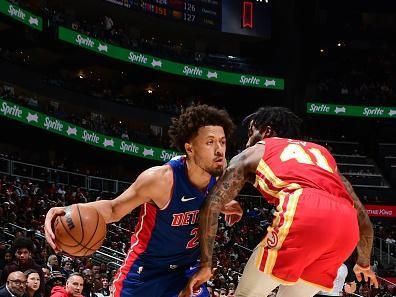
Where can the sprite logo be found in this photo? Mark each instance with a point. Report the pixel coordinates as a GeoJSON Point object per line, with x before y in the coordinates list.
{"type": "Point", "coordinates": [319, 108]}
{"type": "Point", "coordinates": [376, 111]}
{"type": "Point", "coordinates": [165, 156]}
{"type": "Point", "coordinates": [249, 80]}
{"type": "Point", "coordinates": [84, 41]}
{"type": "Point", "coordinates": [11, 110]}
{"type": "Point", "coordinates": [132, 148]}
{"type": "Point", "coordinates": [16, 12]}
{"type": "Point", "coordinates": [139, 58]}
{"type": "Point", "coordinates": [91, 137]}
{"type": "Point", "coordinates": [192, 71]}
{"type": "Point", "coordinates": [55, 125]}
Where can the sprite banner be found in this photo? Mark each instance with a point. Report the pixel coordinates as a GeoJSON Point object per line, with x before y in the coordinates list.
{"type": "Point", "coordinates": [352, 110]}
{"type": "Point", "coordinates": [51, 124]}
{"type": "Point", "coordinates": [21, 15]}
{"type": "Point", "coordinates": [126, 55]}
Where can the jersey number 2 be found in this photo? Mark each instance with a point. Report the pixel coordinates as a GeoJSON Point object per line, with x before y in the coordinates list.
{"type": "Point", "coordinates": [193, 242]}
{"type": "Point", "coordinates": [296, 151]}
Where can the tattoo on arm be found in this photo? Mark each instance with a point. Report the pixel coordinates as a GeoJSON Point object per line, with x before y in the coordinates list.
{"type": "Point", "coordinates": [226, 189]}
{"type": "Point", "coordinates": [365, 227]}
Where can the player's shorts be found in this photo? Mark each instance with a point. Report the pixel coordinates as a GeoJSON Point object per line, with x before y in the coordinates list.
{"type": "Point", "coordinates": [312, 234]}
{"type": "Point", "coordinates": [143, 281]}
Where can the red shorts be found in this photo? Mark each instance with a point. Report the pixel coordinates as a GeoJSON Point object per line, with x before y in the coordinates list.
{"type": "Point", "coordinates": [312, 234]}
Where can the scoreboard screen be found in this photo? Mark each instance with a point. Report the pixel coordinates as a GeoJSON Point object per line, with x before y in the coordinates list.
{"type": "Point", "coordinates": [251, 17]}
{"type": "Point", "coordinates": [197, 12]}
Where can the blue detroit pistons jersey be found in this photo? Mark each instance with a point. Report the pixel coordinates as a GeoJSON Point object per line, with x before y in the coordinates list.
{"type": "Point", "coordinates": [169, 236]}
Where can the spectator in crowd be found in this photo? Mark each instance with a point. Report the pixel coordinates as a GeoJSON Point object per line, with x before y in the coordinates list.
{"type": "Point", "coordinates": [46, 274]}
{"type": "Point", "coordinates": [53, 263]}
{"type": "Point", "coordinates": [56, 279]}
{"type": "Point", "coordinates": [7, 259]}
{"type": "Point", "coordinates": [67, 268]}
{"type": "Point", "coordinates": [32, 283]}
{"type": "Point", "coordinates": [15, 285]}
{"type": "Point", "coordinates": [73, 287]}
{"type": "Point", "coordinates": [23, 248]}
{"type": "Point", "coordinates": [89, 284]}
{"type": "Point", "coordinates": [105, 290]}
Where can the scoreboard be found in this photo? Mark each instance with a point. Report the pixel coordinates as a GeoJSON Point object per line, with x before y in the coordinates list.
{"type": "Point", "coordinates": [245, 17]}
{"type": "Point", "coordinates": [197, 12]}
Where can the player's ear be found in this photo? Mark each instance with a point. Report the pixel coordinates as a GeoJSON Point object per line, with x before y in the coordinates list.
{"type": "Point", "coordinates": [267, 131]}
{"type": "Point", "coordinates": [188, 148]}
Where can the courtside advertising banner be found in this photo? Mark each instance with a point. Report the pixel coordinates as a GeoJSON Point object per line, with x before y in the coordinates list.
{"type": "Point", "coordinates": [383, 211]}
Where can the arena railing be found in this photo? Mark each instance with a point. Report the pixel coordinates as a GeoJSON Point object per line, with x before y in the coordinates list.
{"type": "Point", "coordinates": [54, 175]}
{"type": "Point", "coordinates": [385, 252]}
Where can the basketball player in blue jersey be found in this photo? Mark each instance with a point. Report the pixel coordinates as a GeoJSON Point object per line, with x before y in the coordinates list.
{"type": "Point", "coordinates": [164, 247]}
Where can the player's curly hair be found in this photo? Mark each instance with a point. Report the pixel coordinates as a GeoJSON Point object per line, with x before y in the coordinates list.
{"type": "Point", "coordinates": [282, 120]}
{"type": "Point", "coordinates": [185, 127]}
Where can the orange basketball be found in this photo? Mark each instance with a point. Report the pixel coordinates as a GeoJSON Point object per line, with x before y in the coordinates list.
{"type": "Point", "coordinates": [81, 231]}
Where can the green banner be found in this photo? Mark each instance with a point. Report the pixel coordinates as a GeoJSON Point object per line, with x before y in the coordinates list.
{"type": "Point", "coordinates": [51, 124]}
{"type": "Point", "coordinates": [160, 64]}
{"type": "Point", "coordinates": [21, 15]}
{"type": "Point", "coordinates": [351, 110]}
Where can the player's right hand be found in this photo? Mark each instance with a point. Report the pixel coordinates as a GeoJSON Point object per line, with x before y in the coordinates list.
{"type": "Point", "coordinates": [368, 274]}
{"type": "Point", "coordinates": [49, 222]}
{"type": "Point", "coordinates": [202, 276]}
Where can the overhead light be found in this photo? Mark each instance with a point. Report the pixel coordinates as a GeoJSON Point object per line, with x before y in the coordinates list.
{"type": "Point", "coordinates": [339, 44]}
{"type": "Point", "coordinates": [150, 91]}
{"type": "Point", "coordinates": [81, 76]}
{"type": "Point", "coordinates": [322, 50]}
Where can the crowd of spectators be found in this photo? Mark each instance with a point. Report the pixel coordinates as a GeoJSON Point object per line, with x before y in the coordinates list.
{"type": "Point", "coordinates": [357, 77]}
{"type": "Point", "coordinates": [23, 204]}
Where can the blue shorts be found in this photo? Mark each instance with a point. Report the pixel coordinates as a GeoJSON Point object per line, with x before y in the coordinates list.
{"type": "Point", "coordinates": [144, 281]}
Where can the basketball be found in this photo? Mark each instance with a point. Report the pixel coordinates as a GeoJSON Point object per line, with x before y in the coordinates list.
{"type": "Point", "coordinates": [81, 231]}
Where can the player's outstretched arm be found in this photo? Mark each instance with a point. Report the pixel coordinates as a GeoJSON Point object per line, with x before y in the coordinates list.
{"type": "Point", "coordinates": [150, 185]}
{"type": "Point", "coordinates": [365, 243]}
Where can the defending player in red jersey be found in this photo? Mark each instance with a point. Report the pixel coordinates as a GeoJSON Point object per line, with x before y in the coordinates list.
{"type": "Point", "coordinates": [318, 222]}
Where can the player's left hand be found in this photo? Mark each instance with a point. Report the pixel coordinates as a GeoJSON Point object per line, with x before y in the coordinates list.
{"type": "Point", "coordinates": [368, 274]}
{"type": "Point", "coordinates": [233, 212]}
{"type": "Point", "coordinates": [202, 276]}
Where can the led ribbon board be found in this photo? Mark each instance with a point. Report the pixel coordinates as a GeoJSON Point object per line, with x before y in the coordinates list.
{"type": "Point", "coordinates": [155, 63]}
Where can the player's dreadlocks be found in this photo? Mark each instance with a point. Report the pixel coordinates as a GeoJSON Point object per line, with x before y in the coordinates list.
{"type": "Point", "coordinates": [283, 121]}
{"type": "Point", "coordinates": [186, 126]}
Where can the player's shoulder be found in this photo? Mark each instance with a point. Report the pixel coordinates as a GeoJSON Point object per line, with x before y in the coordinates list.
{"type": "Point", "coordinates": [158, 173]}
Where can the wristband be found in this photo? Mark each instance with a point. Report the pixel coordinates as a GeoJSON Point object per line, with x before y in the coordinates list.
{"type": "Point", "coordinates": [363, 267]}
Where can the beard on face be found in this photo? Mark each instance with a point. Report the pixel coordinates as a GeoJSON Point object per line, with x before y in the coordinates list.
{"type": "Point", "coordinates": [216, 172]}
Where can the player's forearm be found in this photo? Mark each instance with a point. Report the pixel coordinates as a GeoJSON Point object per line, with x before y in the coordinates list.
{"type": "Point", "coordinates": [208, 220]}
{"type": "Point", "coordinates": [104, 207]}
{"type": "Point", "coordinates": [365, 244]}
{"type": "Point", "coordinates": [226, 189]}
{"type": "Point", "coordinates": [366, 232]}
